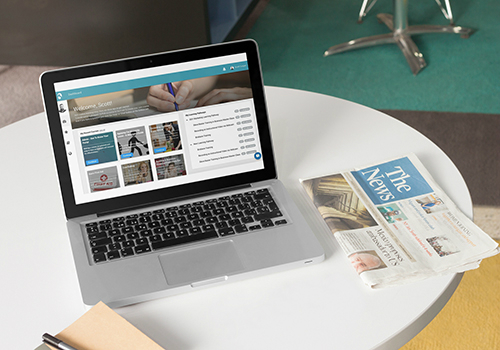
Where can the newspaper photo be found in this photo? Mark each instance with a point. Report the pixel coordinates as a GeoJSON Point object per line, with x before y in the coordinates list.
{"type": "Point", "coordinates": [396, 225]}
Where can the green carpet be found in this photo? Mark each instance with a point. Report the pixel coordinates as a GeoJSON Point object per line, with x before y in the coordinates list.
{"type": "Point", "coordinates": [462, 75]}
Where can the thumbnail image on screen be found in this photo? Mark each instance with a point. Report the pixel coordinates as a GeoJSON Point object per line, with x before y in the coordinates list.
{"type": "Point", "coordinates": [169, 167]}
{"type": "Point", "coordinates": [132, 142]}
{"type": "Point", "coordinates": [137, 173]}
{"type": "Point", "coordinates": [165, 137]}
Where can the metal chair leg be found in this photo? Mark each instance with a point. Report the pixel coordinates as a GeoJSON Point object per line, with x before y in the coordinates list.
{"type": "Point", "coordinates": [365, 8]}
{"type": "Point", "coordinates": [368, 4]}
{"type": "Point", "coordinates": [446, 12]}
{"type": "Point", "coordinates": [401, 34]}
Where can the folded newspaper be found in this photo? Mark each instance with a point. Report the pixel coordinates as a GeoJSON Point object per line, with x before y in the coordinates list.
{"type": "Point", "coordinates": [396, 225]}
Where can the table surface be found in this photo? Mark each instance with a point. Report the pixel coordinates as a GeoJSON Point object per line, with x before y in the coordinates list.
{"type": "Point", "coordinates": [323, 306]}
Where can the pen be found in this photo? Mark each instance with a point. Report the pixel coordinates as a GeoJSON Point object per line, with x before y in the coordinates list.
{"type": "Point", "coordinates": [171, 90]}
{"type": "Point", "coordinates": [58, 344]}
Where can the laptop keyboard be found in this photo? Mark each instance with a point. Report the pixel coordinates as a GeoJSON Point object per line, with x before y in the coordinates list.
{"type": "Point", "coordinates": [136, 234]}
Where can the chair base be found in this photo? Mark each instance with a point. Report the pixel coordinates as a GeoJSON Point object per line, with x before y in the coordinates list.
{"type": "Point", "coordinates": [402, 38]}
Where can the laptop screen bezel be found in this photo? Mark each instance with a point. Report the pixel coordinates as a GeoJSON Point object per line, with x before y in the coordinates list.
{"type": "Point", "coordinates": [129, 202]}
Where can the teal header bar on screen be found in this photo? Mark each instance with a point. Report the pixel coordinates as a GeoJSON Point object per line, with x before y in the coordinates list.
{"type": "Point", "coordinates": [149, 81]}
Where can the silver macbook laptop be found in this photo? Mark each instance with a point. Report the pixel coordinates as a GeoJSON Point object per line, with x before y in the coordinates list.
{"type": "Point", "coordinates": [167, 174]}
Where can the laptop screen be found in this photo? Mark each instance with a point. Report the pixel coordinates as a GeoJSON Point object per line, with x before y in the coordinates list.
{"type": "Point", "coordinates": [164, 126]}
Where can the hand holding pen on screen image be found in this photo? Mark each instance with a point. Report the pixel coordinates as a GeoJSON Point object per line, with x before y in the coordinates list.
{"type": "Point", "coordinates": [180, 95]}
{"type": "Point", "coordinates": [176, 96]}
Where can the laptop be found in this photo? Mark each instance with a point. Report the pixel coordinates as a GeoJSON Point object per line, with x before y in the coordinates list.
{"type": "Point", "coordinates": [167, 174]}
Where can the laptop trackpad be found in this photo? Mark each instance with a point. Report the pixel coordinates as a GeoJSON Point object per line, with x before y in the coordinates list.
{"type": "Point", "coordinates": [196, 265]}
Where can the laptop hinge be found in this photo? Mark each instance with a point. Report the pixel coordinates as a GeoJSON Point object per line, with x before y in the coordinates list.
{"type": "Point", "coordinates": [209, 193]}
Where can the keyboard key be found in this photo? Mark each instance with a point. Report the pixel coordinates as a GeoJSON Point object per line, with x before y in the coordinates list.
{"type": "Point", "coordinates": [199, 222]}
{"type": "Point", "coordinates": [171, 214]}
{"type": "Point", "coordinates": [127, 252]}
{"type": "Point", "coordinates": [182, 233]}
{"type": "Point", "coordinates": [221, 224]}
{"type": "Point", "coordinates": [119, 224]}
{"type": "Point", "coordinates": [153, 224]}
{"type": "Point", "coordinates": [194, 231]}
{"type": "Point", "coordinates": [121, 238]}
{"type": "Point", "coordinates": [234, 222]}
{"type": "Point", "coordinates": [183, 240]}
{"type": "Point", "coordinates": [101, 249]}
{"type": "Point", "coordinates": [99, 235]}
{"type": "Point", "coordinates": [211, 220]}
{"type": "Point", "coordinates": [210, 206]}
{"type": "Point", "coordinates": [92, 229]}
{"type": "Point", "coordinates": [224, 217]}
{"type": "Point", "coordinates": [105, 227]}
{"type": "Point", "coordinates": [166, 222]}
{"type": "Point", "coordinates": [192, 217]}
{"type": "Point", "coordinates": [184, 212]}
{"type": "Point", "coordinates": [116, 232]}
{"type": "Point", "coordinates": [159, 230]}
{"type": "Point", "coordinates": [114, 246]}
{"type": "Point", "coordinates": [115, 254]}
{"type": "Point", "coordinates": [100, 242]}
{"type": "Point", "coordinates": [180, 219]}
{"type": "Point", "coordinates": [142, 248]}
{"type": "Point", "coordinates": [155, 238]}
{"type": "Point", "coordinates": [267, 223]}
{"type": "Point", "coordinates": [249, 212]}
{"type": "Point", "coordinates": [172, 228]}
{"type": "Point", "coordinates": [100, 257]}
{"type": "Point", "coordinates": [262, 210]}
{"type": "Point", "coordinates": [168, 235]}
{"type": "Point", "coordinates": [141, 241]}
{"type": "Point", "coordinates": [234, 201]}
{"type": "Point", "coordinates": [240, 228]}
{"type": "Point", "coordinates": [226, 231]}
{"type": "Point", "coordinates": [127, 230]}
{"type": "Point", "coordinates": [132, 235]}
{"type": "Point", "coordinates": [255, 227]}
{"type": "Point", "coordinates": [158, 217]}
{"type": "Point", "coordinates": [146, 233]}
{"type": "Point", "coordinates": [270, 215]}
{"type": "Point", "coordinates": [247, 219]}
{"type": "Point", "coordinates": [184, 225]}
{"type": "Point", "coordinates": [206, 228]}
{"type": "Point", "coordinates": [261, 196]}
{"type": "Point", "coordinates": [140, 227]}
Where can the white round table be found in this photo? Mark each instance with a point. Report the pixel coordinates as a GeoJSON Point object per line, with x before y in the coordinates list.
{"type": "Point", "coordinates": [324, 306]}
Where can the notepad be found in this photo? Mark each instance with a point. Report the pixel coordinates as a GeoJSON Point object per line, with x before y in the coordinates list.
{"type": "Point", "coordinates": [101, 328]}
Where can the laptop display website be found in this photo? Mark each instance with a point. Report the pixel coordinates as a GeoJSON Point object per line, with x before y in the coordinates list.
{"type": "Point", "coordinates": [123, 135]}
